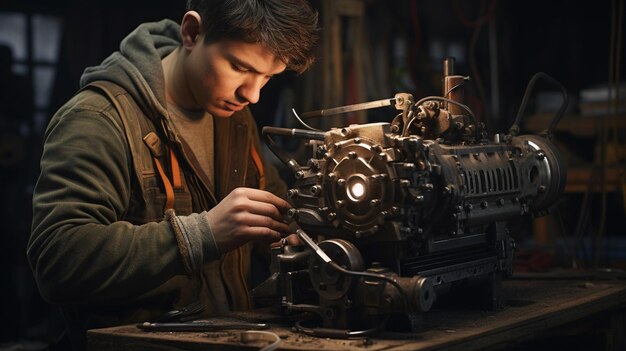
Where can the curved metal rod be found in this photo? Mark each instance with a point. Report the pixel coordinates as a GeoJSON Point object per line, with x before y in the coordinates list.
{"type": "Point", "coordinates": [304, 237]}
{"type": "Point", "coordinates": [557, 117]}
{"type": "Point", "coordinates": [282, 155]}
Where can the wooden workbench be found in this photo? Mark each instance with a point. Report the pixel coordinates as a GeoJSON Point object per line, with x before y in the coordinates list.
{"type": "Point", "coordinates": [538, 307]}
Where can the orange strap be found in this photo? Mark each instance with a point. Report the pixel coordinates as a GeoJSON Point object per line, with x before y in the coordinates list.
{"type": "Point", "coordinates": [175, 169]}
{"type": "Point", "coordinates": [259, 165]}
{"type": "Point", "coordinates": [169, 190]}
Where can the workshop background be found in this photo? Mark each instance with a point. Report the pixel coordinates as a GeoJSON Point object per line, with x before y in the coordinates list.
{"type": "Point", "coordinates": [369, 50]}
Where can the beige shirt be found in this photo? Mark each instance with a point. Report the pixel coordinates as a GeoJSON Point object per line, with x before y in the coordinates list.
{"type": "Point", "coordinates": [196, 129]}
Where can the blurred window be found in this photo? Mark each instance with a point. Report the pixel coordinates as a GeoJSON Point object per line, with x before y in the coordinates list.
{"type": "Point", "coordinates": [35, 41]}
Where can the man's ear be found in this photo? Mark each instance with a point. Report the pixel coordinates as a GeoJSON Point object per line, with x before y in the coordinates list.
{"type": "Point", "coordinates": [190, 29]}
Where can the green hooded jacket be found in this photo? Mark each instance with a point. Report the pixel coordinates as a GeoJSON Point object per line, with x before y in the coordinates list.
{"type": "Point", "coordinates": [100, 245]}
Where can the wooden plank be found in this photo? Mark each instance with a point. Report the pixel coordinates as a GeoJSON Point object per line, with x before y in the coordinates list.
{"type": "Point", "coordinates": [508, 326]}
{"type": "Point", "coordinates": [533, 307]}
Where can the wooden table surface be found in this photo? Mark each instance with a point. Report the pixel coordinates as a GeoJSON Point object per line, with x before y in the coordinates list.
{"type": "Point", "coordinates": [535, 305]}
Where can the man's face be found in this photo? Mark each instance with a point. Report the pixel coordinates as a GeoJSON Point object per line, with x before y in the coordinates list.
{"type": "Point", "coordinates": [225, 76]}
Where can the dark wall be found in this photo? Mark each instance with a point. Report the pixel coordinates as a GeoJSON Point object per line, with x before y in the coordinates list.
{"type": "Point", "coordinates": [91, 31]}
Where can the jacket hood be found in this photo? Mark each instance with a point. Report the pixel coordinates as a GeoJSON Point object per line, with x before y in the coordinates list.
{"type": "Point", "coordinates": [137, 65]}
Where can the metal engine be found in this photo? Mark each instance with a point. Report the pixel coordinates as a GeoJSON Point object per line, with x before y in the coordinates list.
{"type": "Point", "coordinates": [393, 215]}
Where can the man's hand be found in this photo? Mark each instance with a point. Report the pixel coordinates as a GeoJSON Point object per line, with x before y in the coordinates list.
{"type": "Point", "coordinates": [292, 239]}
{"type": "Point", "coordinates": [248, 214]}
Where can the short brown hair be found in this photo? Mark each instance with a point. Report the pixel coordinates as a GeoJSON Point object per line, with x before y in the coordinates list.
{"type": "Point", "coordinates": [287, 27]}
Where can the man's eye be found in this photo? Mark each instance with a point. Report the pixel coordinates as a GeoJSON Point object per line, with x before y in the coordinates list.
{"type": "Point", "coordinates": [239, 68]}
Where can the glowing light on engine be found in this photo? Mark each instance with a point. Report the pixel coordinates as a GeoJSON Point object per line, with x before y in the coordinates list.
{"type": "Point", "coordinates": [356, 190]}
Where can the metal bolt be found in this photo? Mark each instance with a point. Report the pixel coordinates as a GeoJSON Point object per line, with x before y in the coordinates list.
{"type": "Point", "coordinates": [292, 193]}
{"type": "Point", "coordinates": [292, 213]}
{"type": "Point", "coordinates": [352, 155]}
{"type": "Point", "coordinates": [316, 189]}
{"type": "Point", "coordinates": [320, 151]}
{"type": "Point", "coordinates": [341, 182]}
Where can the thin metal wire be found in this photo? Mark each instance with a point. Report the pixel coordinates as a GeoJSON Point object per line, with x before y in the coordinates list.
{"type": "Point", "coordinates": [293, 110]}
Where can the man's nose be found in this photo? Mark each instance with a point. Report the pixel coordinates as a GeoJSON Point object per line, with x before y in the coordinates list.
{"type": "Point", "coordinates": [250, 90]}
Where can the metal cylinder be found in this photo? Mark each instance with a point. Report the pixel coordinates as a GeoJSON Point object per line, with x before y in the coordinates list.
{"type": "Point", "coordinates": [452, 87]}
{"type": "Point", "coordinates": [454, 90]}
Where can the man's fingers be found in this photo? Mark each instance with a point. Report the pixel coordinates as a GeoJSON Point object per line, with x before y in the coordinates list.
{"type": "Point", "coordinates": [253, 220]}
{"type": "Point", "coordinates": [264, 209]}
{"type": "Point", "coordinates": [266, 197]}
{"type": "Point", "coordinates": [292, 239]}
{"type": "Point", "coordinates": [263, 233]}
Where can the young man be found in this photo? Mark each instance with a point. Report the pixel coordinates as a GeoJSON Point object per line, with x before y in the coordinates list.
{"type": "Point", "coordinates": [153, 193]}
